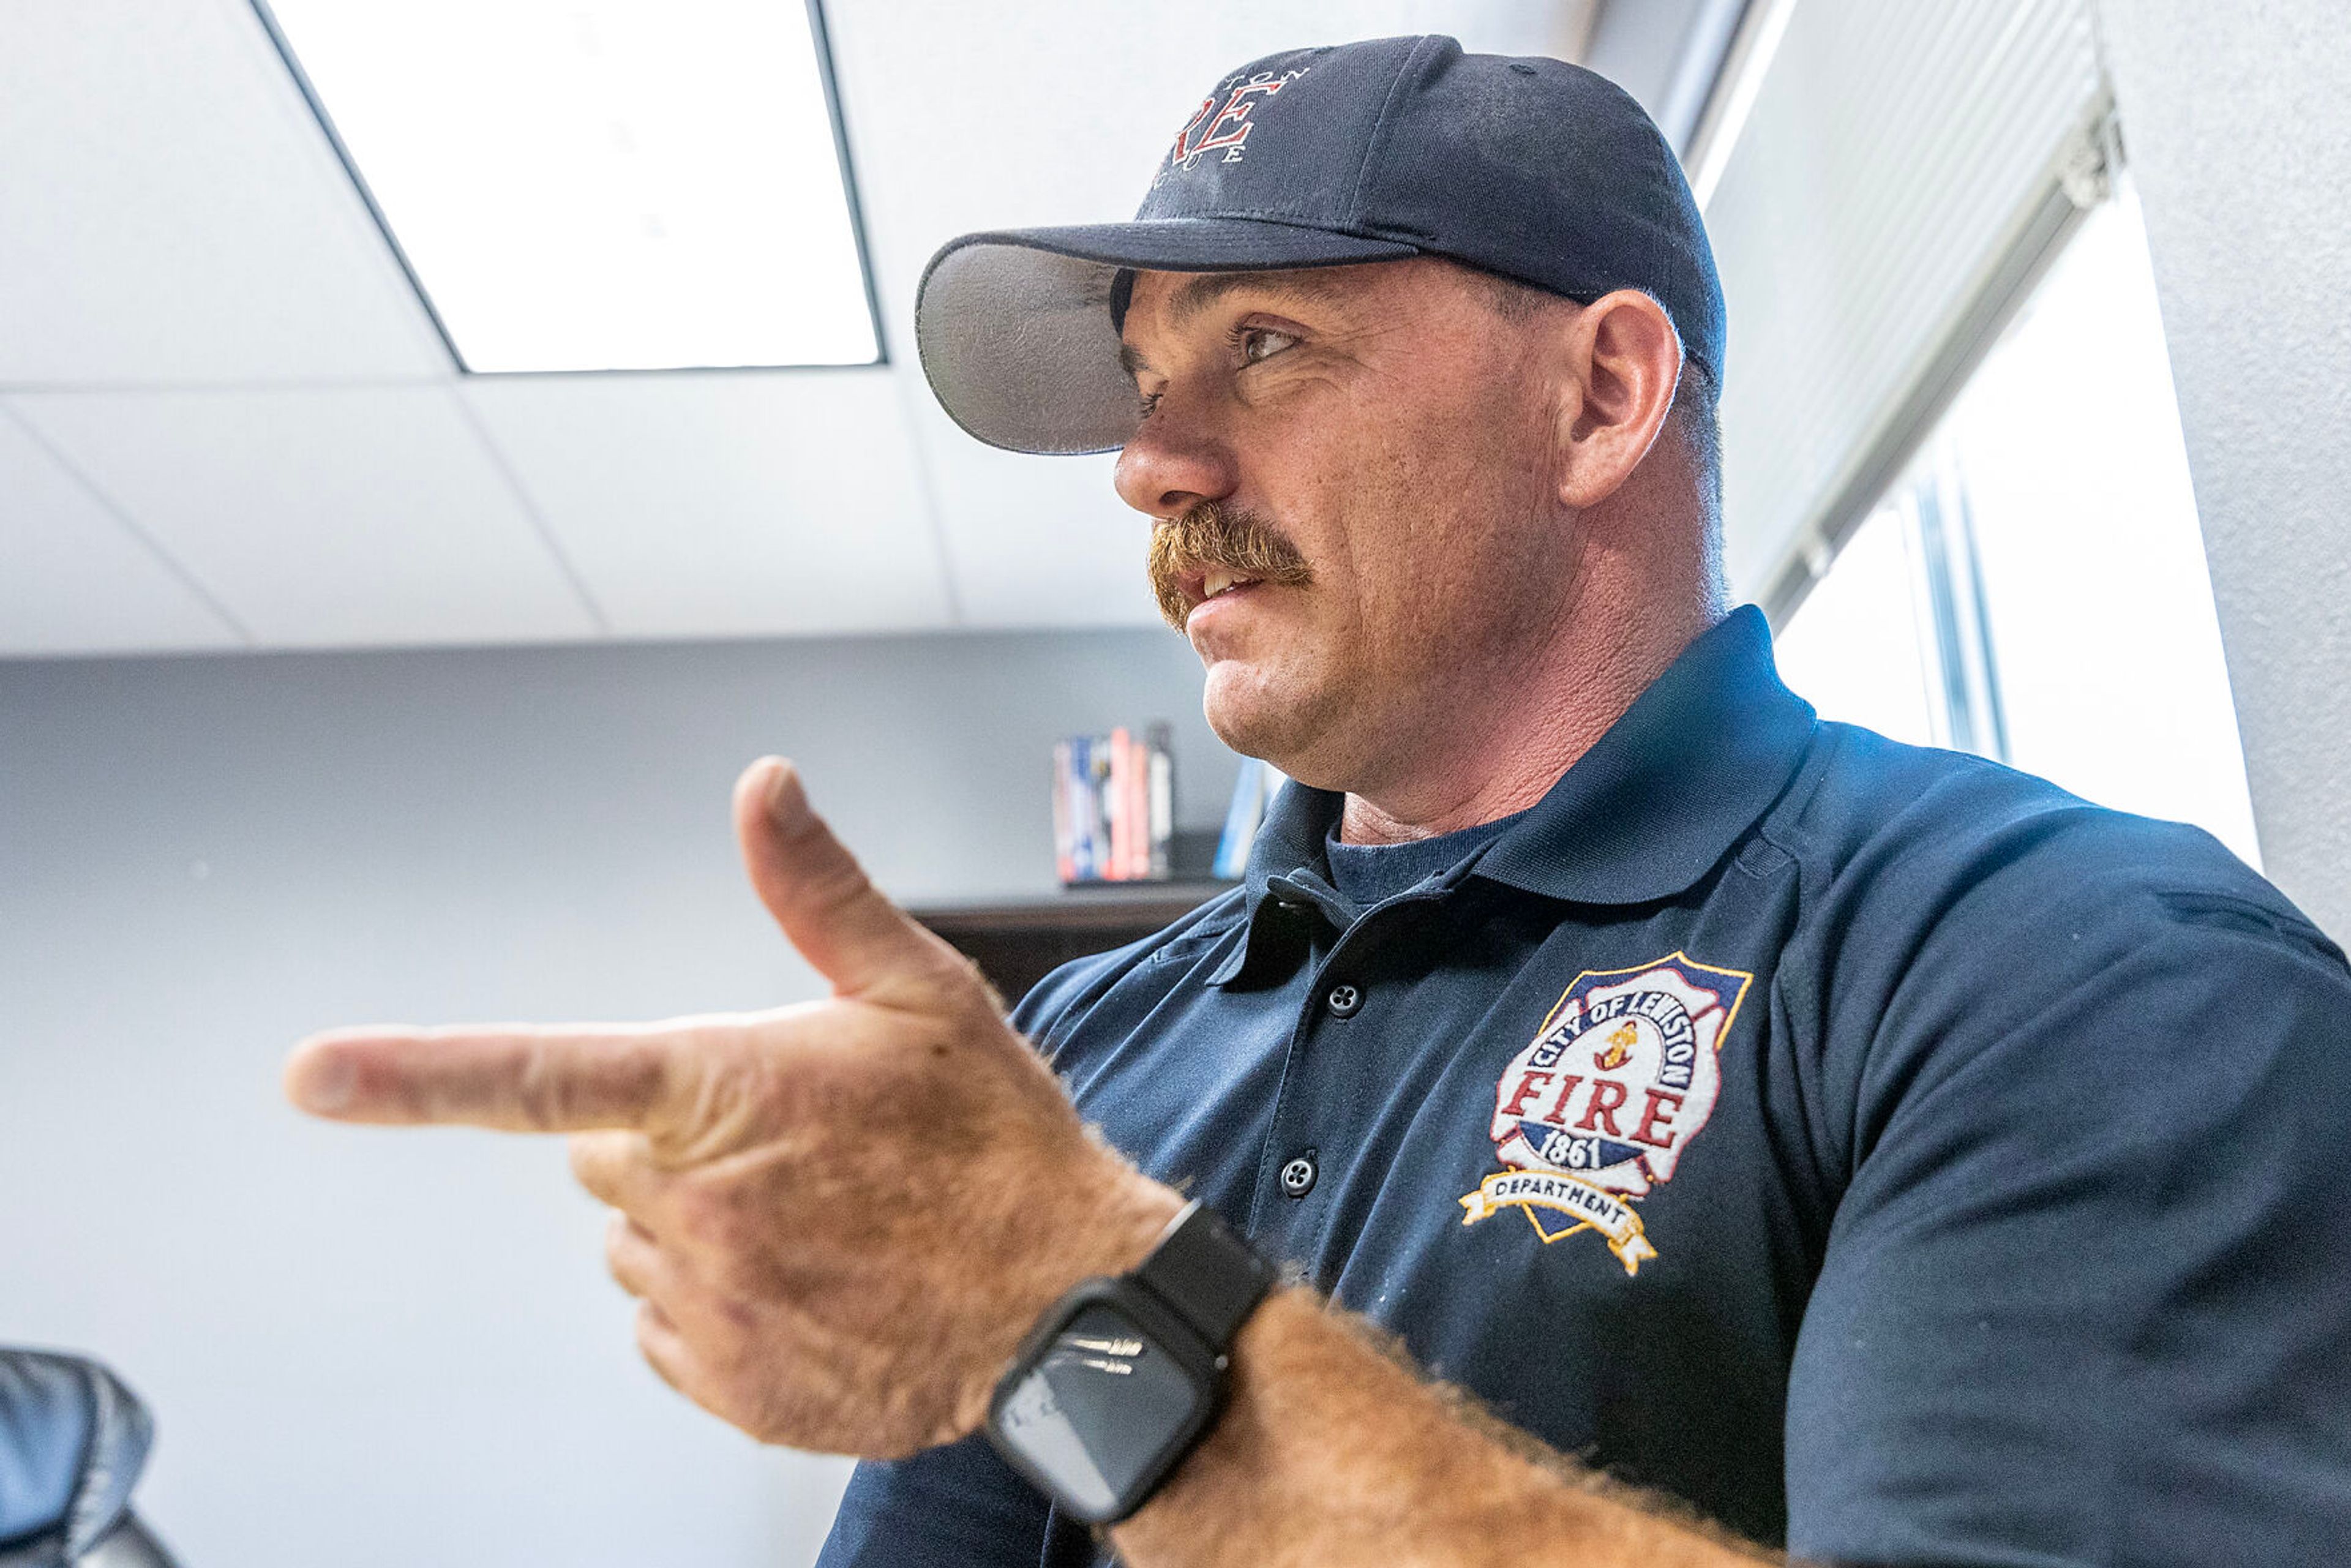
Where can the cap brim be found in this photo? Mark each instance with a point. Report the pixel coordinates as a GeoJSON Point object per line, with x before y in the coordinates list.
{"type": "Point", "coordinates": [1015, 331]}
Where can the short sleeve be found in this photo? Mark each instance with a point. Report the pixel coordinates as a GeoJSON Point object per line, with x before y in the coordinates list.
{"type": "Point", "coordinates": [956, 1507]}
{"type": "Point", "coordinates": [2086, 1298]}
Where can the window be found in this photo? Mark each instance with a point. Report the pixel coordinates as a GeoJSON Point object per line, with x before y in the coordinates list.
{"type": "Point", "coordinates": [599, 185]}
{"type": "Point", "coordinates": [1865, 605]}
{"type": "Point", "coordinates": [2034, 588]}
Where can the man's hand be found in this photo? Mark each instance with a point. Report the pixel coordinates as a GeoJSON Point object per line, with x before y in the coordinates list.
{"type": "Point", "coordinates": [841, 1216]}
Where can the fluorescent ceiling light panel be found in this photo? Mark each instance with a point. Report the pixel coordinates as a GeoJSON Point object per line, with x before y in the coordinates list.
{"type": "Point", "coordinates": [601, 184]}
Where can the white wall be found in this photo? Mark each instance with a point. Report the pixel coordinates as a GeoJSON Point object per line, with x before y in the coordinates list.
{"type": "Point", "coordinates": [2237, 117]}
{"type": "Point", "coordinates": [369, 1348]}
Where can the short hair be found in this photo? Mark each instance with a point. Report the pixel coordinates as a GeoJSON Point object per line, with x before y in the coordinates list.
{"type": "Point", "coordinates": [1696, 414]}
{"type": "Point", "coordinates": [1696, 418]}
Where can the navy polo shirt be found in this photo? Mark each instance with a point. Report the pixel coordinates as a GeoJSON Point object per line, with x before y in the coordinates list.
{"type": "Point", "coordinates": [1881, 1150]}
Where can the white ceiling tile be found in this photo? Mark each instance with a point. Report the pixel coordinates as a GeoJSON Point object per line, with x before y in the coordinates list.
{"type": "Point", "coordinates": [76, 579]}
{"type": "Point", "coordinates": [173, 212]}
{"type": "Point", "coordinates": [737, 504]}
{"type": "Point", "coordinates": [325, 517]}
{"type": "Point", "coordinates": [1039, 541]}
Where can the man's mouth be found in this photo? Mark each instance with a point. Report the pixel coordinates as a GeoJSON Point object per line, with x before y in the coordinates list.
{"type": "Point", "coordinates": [1199, 587]}
{"type": "Point", "coordinates": [1213, 551]}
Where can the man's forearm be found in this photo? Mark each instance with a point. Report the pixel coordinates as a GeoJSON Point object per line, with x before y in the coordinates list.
{"type": "Point", "coordinates": [1331, 1452]}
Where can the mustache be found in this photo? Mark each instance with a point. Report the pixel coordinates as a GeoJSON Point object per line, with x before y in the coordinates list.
{"type": "Point", "coordinates": [1213, 534]}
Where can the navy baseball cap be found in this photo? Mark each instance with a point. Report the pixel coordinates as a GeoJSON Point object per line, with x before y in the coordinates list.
{"type": "Point", "coordinates": [1533, 170]}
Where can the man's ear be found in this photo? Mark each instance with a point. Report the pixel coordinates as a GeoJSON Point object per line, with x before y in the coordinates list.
{"type": "Point", "coordinates": [1622, 360]}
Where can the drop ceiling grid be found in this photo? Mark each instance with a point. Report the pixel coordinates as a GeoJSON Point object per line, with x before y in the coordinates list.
{"type": "Point", "coordinates": [326, 517]}
{"type": "Point", "coordinates": [742, 503]}
{"type": "Point", "coordinates": [76, 578]}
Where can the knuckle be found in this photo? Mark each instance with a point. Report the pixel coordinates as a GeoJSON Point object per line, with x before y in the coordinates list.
{"type": "Point", "coordinates": [614, 1167]}
{"type": "Point", "coordinates": [626, 1256]}
{"type": "Point", "coordinates": [839, 890]}
{"type": "Point", "coordinates": [734, 1243]}
{"type": "Point", "coordinates": [828, 871]}
{"type": "Point", "coordinates": [538, 1085]}
{"type": "Point", "coordinates": [653, 1343]}
{"type": "Point", "coordinates": [590, 1156]}
{"type": "Point", "coordinates": [739, 1279]}
{"type": "Point", "coordinates": [709, 1222]}
{"type": "Point", "coordinates": [974, 980]}
{"type": "Point", "coordinates": [640, 1071]}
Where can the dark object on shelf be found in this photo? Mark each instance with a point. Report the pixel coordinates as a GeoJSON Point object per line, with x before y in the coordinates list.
{"type": "Point", "coordinates": [72, 1442]}
{"type": "Point", "coordinates": [1018, 942]}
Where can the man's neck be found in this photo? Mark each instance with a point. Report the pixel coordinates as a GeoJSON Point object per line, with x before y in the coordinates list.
{"type": "Point", "coordinates": [1501, 758]}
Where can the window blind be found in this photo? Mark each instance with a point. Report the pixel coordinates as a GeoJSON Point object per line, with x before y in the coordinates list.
{"type": "Point", "coordinates": [1901, 162]}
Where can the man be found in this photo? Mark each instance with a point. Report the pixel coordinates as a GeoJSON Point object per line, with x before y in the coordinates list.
{"type": "Point", "coordinates": [1860, 1147]}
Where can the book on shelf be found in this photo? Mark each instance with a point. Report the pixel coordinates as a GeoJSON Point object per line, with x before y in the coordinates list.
{"type": "Point", "coordinates": [1252, 793]}
{"type": "Point", "coordinates": [1115, 806]}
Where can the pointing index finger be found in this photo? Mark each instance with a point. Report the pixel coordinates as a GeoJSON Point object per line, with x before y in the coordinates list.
{"type": "Point", "coordinates": [518, 1078]}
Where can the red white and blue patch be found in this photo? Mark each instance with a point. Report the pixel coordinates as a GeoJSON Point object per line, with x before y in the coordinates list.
{"type": "Point", "coordinates": [1598, 1108]}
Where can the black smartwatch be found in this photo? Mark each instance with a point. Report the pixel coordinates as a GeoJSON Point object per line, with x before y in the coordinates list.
{"type": "Point", "coordinates": [1121, 1377]}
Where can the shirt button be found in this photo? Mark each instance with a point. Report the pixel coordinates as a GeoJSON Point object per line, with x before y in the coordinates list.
{"type": "Point", "coordinates": [1344, 1001]}
{"type": "Point", "coordinates": [1298, 1176]}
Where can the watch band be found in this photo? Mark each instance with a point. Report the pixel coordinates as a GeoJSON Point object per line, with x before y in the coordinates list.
{"type": "Point", "coordinates": [1122, 1377]}
{"type": "Point", "coordinates": [1206, 1275]}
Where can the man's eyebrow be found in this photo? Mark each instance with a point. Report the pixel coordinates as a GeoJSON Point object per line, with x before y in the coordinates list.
{"type": "Point", "coordinates": [1196, 294]}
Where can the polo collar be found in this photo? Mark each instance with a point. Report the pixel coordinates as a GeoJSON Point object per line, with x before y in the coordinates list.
{"type": "Point", "coordinates": [1653, 807]}
{"type": "Point", "coordinates": [1673, 785]}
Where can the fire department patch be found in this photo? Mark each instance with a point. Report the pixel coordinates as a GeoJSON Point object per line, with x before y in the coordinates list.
{"type": "Point", "coordinates": [1598, 1108]}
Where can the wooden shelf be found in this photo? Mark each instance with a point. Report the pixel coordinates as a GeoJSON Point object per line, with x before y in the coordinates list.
{"type": "Point", "coordinates": [1017, 942]}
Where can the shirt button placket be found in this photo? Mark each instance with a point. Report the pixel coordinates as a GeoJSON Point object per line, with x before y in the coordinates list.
{"type": "Point", "coordinates": [1299, 1172]}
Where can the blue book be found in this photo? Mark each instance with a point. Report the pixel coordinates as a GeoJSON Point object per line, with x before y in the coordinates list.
{"type": "Point", "coordinates": [1082, 801]}
{"type": "Point", "coordinates": [1252, 789]}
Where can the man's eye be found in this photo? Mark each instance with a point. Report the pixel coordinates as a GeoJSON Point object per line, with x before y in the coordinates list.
{"type": "Point", "coordinates": [1149, 403]}
{"type": "Point", "coordinates": [1259, 344]}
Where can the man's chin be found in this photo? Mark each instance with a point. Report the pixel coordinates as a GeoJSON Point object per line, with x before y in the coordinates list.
{"type": "Point", "coordinates": [1257, 714]}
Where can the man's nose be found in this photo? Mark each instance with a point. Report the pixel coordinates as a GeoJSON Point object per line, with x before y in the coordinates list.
{"type": "Point", "coordinates": [1171, 465]}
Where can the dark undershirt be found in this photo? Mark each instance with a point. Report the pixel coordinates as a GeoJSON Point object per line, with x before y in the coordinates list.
{"type": "Point", "coordinates": [1367, 875]}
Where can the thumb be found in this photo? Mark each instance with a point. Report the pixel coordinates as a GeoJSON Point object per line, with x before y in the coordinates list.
{"type": "Point", "coordinates": [838, 920]}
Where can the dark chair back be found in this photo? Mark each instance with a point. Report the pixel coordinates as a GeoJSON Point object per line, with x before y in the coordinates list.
{"type": "Point", "coordinates": [73, 1439]}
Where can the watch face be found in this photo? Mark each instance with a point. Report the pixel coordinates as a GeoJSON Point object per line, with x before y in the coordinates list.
{"type": "Point", "coordinates": [1097, 1409]}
